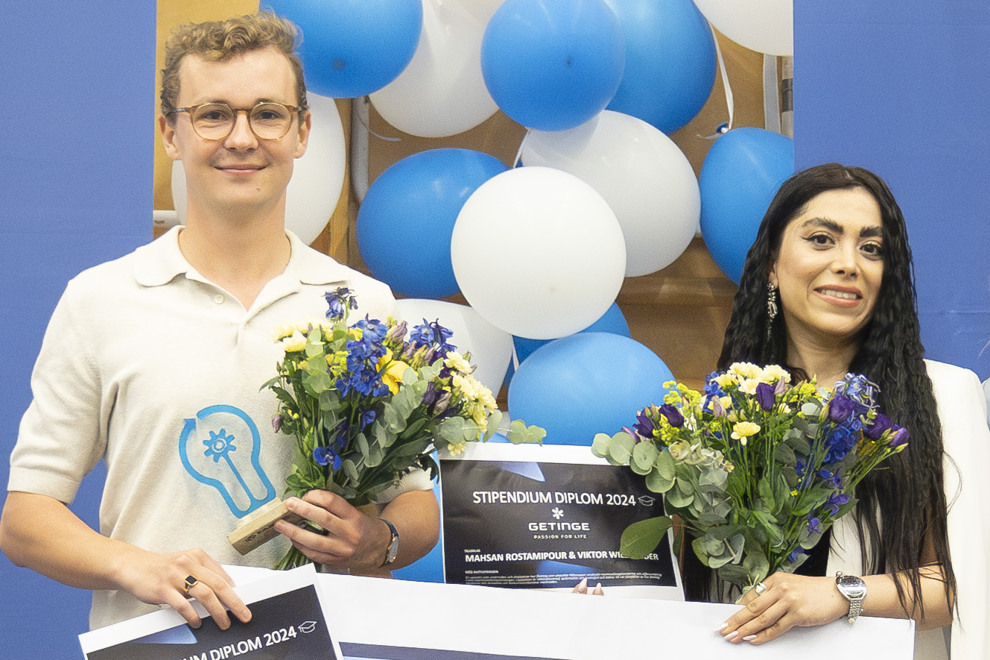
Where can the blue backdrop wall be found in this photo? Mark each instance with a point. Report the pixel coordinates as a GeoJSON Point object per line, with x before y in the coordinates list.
{"type": "Point", "coordinates": [895, 87]}
{"type": "Point", "coordinates": [76, 156]}
{"type": "Point", "coordinates": [900, 88]}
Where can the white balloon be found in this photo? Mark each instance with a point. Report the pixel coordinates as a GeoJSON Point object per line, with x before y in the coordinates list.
{"type": "Point", "coordinates": [441, 92]}
{"type": "Point", "coordinates": [766, 26]}
{"type": "Point", "coordinates": [490, 348]}
{"type": "Point", "coordinates": [642, 174]}
{"type": "Point", "coordinates": [317, 177]}
{"type": "Point", "coordinates": [538, 253]}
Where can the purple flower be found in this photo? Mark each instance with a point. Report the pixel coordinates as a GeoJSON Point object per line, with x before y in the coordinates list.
{"type": "Point", "coordinates": [835, 501]}
{"type": "Point", "coordinates": [672, 414]}
{"type": "Point", "coordinates": [644, 425]}
{"type": "Point", "coordinates": [880, 424]}
{"type": "Point", "coordinates": [277, 423]}
{"type": "Point", "coordinates": [793, 557]}
{"type": "Point", "coordinates": [840, 408]}
{"type": "Point", "coordinates": [898, 437]}
{"type": "Point", "coordinates": [814, 525]}
{"type": "Point", "coordinates": [765, 396]}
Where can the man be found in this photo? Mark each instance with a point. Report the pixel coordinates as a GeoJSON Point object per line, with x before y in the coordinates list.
{"type": "Point", "coordinates": [153, 361]}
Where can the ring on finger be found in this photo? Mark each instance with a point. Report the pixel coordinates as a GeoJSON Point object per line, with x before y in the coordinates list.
{"type": "Point", "coordinates": [760, 588]}
{"type": "Point", "coordinates": [189, 583]}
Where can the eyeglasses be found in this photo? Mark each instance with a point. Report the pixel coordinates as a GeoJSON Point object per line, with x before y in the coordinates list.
{"type": "Point", "coordinates": [215, 121]}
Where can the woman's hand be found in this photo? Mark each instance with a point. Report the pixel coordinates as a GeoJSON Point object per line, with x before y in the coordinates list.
{"type": "Point", "coordinates": [788, 601]}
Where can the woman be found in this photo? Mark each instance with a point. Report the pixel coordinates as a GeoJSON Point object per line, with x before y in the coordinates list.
{"type": "Point", "coordinates": [828, 288]}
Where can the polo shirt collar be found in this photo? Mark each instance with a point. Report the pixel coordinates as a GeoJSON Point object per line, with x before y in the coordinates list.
{"type": "Point", "coordinates": [161, 261]}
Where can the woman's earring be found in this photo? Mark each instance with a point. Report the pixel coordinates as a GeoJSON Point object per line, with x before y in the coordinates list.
{"type": "Point", "coordinates": [771, 306]}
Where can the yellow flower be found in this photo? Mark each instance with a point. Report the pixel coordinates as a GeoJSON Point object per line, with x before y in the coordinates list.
{"type": "Point", "coordinates": [294, 342]}
{"type": "Point", "coordinates": [775, 373]}
{"type": "Point", "coordinates": [748, 385]}
{"type": "Point", "coordinates": [394, 372]}
{"type": "Point", "coordinates": [456, 448]}
{"type": "Point", "coordinates": [743, 430]}
{"type": "Point", "coordinates": [457, 362]}
{"type": "Point", "coordinates": [745, 370]}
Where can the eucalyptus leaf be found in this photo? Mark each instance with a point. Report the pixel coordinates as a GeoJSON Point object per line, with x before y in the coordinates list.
{"type": "Point", "coordinates": [642, 537]}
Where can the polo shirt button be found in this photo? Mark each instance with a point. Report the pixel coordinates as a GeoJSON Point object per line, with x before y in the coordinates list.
{"type": "Point", "coordinates": [218, 299]}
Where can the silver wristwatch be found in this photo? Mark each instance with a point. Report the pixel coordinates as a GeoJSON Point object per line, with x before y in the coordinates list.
{"type": "Point", "coordinates": [854, 589]}
{"type": "Point", "coordinates": [393, 545]}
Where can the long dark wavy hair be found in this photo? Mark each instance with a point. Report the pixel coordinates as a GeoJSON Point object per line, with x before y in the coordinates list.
{"type": "Point", "coordinates": [907, 497]}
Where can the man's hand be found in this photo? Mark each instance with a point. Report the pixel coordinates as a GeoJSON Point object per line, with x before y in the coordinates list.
{"type": "Point", "coordinates": [352, 540]}
{"type": "Point", "coordinates": [176, 578]}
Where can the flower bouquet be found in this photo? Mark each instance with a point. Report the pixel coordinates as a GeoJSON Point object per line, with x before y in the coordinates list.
{"type": "Point", "coordinates": [366, 404]}
{"type": "Point", "coordinates": [756, 469]}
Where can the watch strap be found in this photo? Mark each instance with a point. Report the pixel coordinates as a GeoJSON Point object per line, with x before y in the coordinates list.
{"type": "Point", "coordinates": [393, 544]}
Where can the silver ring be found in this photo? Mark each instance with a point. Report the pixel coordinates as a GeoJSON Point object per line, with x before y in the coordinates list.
{"type": "Point", "coordinates": [760, 588]}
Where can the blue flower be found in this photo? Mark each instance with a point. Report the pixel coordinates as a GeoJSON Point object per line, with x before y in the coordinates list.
{"type": "Point", "coordinates": [367, 418]}
{"type": "Point", "coordinates": [712, 388]}
{"type": "Point", "coordinates": [814, 525]}
{"type": "Point", "coordinates": [339, 302]}
{"type": "Point", "coordinates": [840, 442]}
{"type": "Point", "coordinates": [326, 456]}
{"type": "Point", "coordinates": [793, 557]}
{"type": "Point", "coordinates": [432, 334]}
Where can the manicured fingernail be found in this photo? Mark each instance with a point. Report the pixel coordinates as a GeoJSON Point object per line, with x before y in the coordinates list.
{"type": "Point", "coordinates": [722, 627]}
{"type": "Point", "coordinates": [732, 635]}
{"type": "Point", "coordinates": [583, 584]}
{"type": "Point", "coordinates": [749, 638]}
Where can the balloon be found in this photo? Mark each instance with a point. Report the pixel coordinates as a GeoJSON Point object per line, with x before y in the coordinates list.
{"type": "Point", "coordinates": [405, 222]}
{"type": "Point", "coordinates": [612, 321]}
{"type": "Point", "coordinates": [645, 178]}
{"type": "Point", "coordinates": [538, 252]}
{"type": "Point", "coordinates": [766, 26]}
{"type": "Point", "coordinates": [740, 175]}
{"type": "Point", "coordinates": [670, 61]}
{"type": "Point", "coordinates": [552, 64]}
{"type": "Point", "coordinates": [490, 348]}
{"type": "Point", "coordinates": [588, 383]}
{"type": "Point", "coordinates": [441, 92]}
{"type": "Point", "coordinates": [351, 48]}
{"type": "Point", "coordinates": [317, 177]}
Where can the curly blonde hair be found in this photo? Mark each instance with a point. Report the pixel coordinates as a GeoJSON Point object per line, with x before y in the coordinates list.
{"type": "Point", "coordinates": [217, 41]}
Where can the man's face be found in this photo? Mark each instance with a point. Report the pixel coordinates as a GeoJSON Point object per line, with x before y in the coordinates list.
{"type": "Point", "coordinates": [240, 173]}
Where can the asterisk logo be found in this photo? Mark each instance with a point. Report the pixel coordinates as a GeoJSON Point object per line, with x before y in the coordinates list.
{"type": "Point", "coordinates": [557, 513]}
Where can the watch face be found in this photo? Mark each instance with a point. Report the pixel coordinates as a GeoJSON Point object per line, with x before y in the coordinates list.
{"type": "Point", "coordinates": [851, 586]}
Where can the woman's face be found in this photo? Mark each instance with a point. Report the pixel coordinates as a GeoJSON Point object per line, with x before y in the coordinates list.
{"type": "Point", "coordinates": [830, 266]}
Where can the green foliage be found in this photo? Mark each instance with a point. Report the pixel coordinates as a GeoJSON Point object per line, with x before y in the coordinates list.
{"type": "Point", "coordinates": [756, 473]}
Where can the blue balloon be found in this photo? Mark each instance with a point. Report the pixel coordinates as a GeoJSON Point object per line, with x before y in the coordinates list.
{"type": "Point", "coordinates": [351, 48]}
{"type": "Point", "coordinates": [587, 383]}
{"type": "Point", "coordinates": [611, 321]}
{"type": "Point", "coordinates": [407, 218]}
{"type": "Point", "coordinates": [670, 61]}
{"type": "Point", "coordinates": [741, 173]}
{"type": "Point", "coordinates": [552, 64]}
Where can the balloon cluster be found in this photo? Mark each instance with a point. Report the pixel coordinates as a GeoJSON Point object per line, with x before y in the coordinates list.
{"type": "Point", "coordinates": [599, 192]}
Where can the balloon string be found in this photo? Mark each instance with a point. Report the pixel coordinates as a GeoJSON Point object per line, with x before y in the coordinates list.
{"type": "Point", "coordinates": [730, 103]}
{"type": "Point", "coordinates": [522, 143]}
